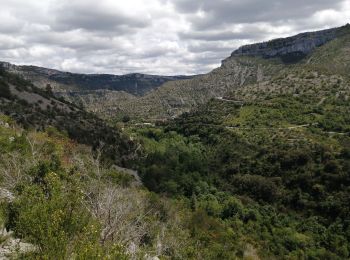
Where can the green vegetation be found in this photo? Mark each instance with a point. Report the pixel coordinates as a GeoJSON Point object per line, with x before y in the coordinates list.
{"type": "Point", "coordinates": [262, 173]}
{"type": "Point", "coordinates": [274, 173]}
{"type": "Point", "coordinates": [68, 204]}
{"type": "Point", "coordinates": [34, 108]}
{"type": "Point", "coordinates": [5, 90]}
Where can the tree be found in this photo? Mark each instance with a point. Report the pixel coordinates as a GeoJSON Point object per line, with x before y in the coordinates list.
{"type": "Point", "coordinates": [126, 119]}
{"type": "Point", "coordinates": [5, 90]}
{"type": "Point", "coordinates": [48, 89]}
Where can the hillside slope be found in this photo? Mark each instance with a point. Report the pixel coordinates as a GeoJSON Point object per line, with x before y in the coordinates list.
{"type": "Point", "coordinates": [259, 168]}
{"type": "Point", "coordinates": [270, 159]}
{"type": "Point", "coordinates": [245, 67]}
{"type": "Point", "coordinates": [38, 109]}
{"type": "Point", "coordinates": [66, 82]}
{"type": "Point", "coordinates": [257, 63]}
{"type": "Point", "coordinates": [59, 201]}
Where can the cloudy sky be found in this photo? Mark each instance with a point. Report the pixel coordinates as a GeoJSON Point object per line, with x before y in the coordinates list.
{"type": "Point", "coordinates": [151, 36]}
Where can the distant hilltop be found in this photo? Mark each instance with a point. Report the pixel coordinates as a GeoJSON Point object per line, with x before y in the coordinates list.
{"type": "Point", "coordinates": [291, 48]}
{"type": "Point", "coordinates": [136, 83]}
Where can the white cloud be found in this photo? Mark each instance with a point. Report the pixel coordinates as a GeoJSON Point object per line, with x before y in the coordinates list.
{"type": "Point", "coordinates": [330, 17]}
{"type": "Point", "coordinates": [8, 42]}
{"type": "Point", "coordinates": [153, 36]}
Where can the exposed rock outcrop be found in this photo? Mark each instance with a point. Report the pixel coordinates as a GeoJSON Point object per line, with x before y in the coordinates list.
{"type": "Point", "coordinates": [290, 48]}
{"type": "Point", "coordinates": [6, 195]}
{"type": "Point", "coordinates": [11, 248]}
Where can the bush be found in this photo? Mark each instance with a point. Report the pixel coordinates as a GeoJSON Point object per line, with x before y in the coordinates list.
{"type": "Point", "coordinates": [256, 186]}
{"type": "Point", "coordinates": [49, 213]}
{"type": "Point", "coordinates": [5, 90]}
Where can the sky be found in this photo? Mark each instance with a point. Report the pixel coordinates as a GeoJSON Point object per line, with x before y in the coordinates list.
{"type": "Point", "coordinates": [165, 37]}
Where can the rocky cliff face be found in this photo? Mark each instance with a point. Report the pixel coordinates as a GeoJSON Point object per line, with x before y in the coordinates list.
{"type": "Point", "coordinates": [290, 49]}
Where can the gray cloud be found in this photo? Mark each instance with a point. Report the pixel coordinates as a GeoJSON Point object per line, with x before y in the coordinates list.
{"type": "Point", "coordinates": [91, 17]}
{"type": "Point", "coordinates": [245, 32]}
{"type": "Point", "coordinates": [153, 36]}
{"type": "Point", "coordinates": [203, 46]}
{"type": "Point", "coordinates": [219, 12]}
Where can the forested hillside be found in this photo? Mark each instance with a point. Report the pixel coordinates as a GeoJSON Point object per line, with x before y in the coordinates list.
{"type": "Point", "coordinates": [270, 160]}
{"type": "Point", "coordinates": [257, 168]}
{"type": "Point", "coordinates": [60, 200]}
{"type": "Point", "coordinates": [35, 108]}
{"type": "Point", "coordinates": [274, 172]}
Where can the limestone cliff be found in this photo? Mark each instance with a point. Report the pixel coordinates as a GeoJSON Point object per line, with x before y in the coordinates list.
{"type": "Point", "coordinates": [290, 49]}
